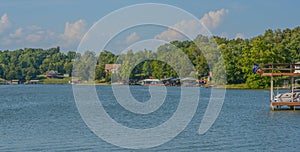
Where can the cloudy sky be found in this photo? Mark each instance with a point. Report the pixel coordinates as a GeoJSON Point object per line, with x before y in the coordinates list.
{"type": "Point", "coordinates": [44, 24]}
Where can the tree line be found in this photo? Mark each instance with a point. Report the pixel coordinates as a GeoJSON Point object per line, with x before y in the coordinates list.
{"type": "Point", "coordinates": [28, 63]}
{"type": "Point", "coordinates": [204, 53]}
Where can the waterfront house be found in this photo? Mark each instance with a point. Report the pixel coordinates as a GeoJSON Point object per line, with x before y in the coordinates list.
{"type": "Point", "coordinates": [112, 68]}
{"type": "Point", "coordinates": [52, 74]}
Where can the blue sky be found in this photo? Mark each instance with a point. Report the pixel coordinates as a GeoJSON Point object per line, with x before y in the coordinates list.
{"type": "Point", "coordinates": [44, 24]}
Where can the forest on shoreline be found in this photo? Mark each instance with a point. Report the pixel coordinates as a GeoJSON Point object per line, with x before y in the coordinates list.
{"type": "Point", "coordinates": [239, 55]}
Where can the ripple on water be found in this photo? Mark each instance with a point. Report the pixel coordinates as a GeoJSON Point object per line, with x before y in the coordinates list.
{"type": "Point", "coordinates": [45, 118]}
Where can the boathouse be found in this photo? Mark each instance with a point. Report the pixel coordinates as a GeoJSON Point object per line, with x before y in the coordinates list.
{"type": "Point", "coordinates": [152, 82]}
{"type": "Point", "coordinates": [15, 82]}
{"type": "Point", "coordinates": [282, 70]}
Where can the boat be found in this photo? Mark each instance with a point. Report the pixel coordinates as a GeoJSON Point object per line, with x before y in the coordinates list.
{"type": "Point", "coordinates": [297, 67]}
{"type": "Point", "coordinates": [188, 82]}
{"type": "Point", "coordinates": [292, 96]}
{"type": "Point", "coordinates": [152, 82]}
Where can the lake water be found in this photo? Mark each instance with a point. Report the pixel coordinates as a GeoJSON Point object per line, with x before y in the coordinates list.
{"type": "Point", "coordinates": [45, 118]}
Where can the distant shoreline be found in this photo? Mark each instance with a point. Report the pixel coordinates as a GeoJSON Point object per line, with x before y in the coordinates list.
{"type": "Point", "coordinates": [109, 84]}
{"type": "Point", "coordinates": [228, 86]}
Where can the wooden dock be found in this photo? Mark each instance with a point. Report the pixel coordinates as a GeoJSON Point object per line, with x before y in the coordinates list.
{"type": "Point", "coordinates": [279, 70]}
{"type": "Point", "coordinates": [279, 105]}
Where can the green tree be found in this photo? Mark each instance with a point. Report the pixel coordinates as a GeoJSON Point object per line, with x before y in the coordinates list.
{"type": "Point", "coordinates": [85, 66]}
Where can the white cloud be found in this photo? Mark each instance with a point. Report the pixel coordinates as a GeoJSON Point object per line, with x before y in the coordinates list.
{"type": "Point", "coordinates": [31, 35]}
{"type": "Point", "coordinates": [239, 36]}
{"type": "Point", "coordinates": [213, 19]}
{"type": "Point", "coordinates": [4, 23]}
{"type": "Point", "coordinates": [73, 32]}
{"type": "Point", "coordinates": [133, 37]}
{"type": "Point", "coordinates": [18, 33]}
{"type": "Point", "coordinates": [41, 35]}
{"type": "Point", "coordinates": [35, 36]}
{"type": "Point", "coordinates": [187, 27]}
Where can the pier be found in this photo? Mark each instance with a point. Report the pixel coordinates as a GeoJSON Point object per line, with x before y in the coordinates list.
{"type": "Point", "coordinates": [292, 71]}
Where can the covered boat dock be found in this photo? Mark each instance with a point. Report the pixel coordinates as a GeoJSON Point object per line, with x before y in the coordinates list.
{"type": "Point", "coordinates": [278, 70]}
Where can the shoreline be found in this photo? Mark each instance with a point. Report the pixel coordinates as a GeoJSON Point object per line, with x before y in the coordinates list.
{"type": "Point", "coordinates": [228, 86]}
{"type": "Point", "coordinates": [108, 84]}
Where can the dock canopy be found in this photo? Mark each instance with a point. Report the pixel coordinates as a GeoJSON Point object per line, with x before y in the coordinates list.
{"type": "Point", "coordinates": [281, 69]}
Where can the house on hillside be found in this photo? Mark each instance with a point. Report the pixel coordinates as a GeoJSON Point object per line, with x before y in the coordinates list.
{"type": "Point", "coordinates": [112, 68]}
{"type": "Point", "coordinates": [52, 74]}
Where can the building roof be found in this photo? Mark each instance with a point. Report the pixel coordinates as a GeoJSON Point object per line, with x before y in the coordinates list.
{"type": "Point", "coordinates": [157, 80]}
{"type": "Point", "coordinates": [112, 66]}
{"type": "Point", "coordinates": [52, 72]}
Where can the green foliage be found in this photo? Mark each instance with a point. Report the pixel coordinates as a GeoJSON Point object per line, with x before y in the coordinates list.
{"type": "Point", "coordinates": [255, 81]}
{"type": "Point", "coordinates": [230, 60]}
{"type": "Point", "coordinates": [55, 81]}
{"type": "Point", "coordinates": [26, 64]}
{"type": "Point", "coordinates": [84, 66]}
